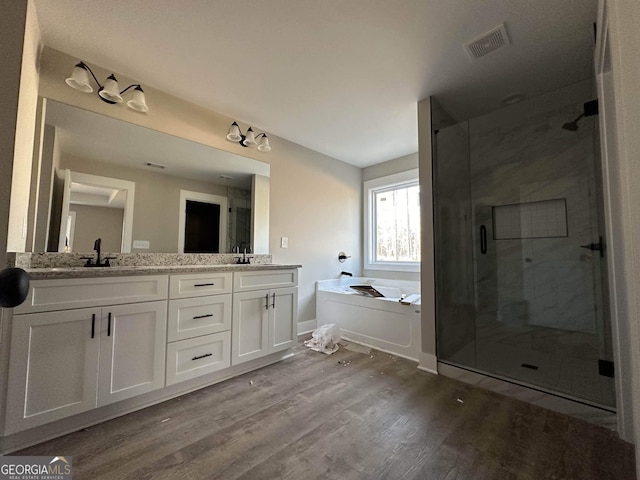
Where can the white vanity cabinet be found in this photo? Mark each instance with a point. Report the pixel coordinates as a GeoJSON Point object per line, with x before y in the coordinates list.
{"type": "Point", "coordinates": [65, 361]}
{"type": "Point", "coordinates": [265, 311]}
{"type": "Point", "coordinates": [199, 325]}
{"type": "Point", "coordinates": [78, 344]}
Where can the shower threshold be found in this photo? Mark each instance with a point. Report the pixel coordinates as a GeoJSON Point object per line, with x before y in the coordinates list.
{"type": "Point", "coordinates": [591, 412]}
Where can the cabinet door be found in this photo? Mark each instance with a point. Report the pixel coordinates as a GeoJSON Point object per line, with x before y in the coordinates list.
{"type": "Point", "coordinates": [132, 350]}
{"type": "Point", "coordinates": [54, 367]}
{"type": "Point", "coordinates": [283, 318]}
{"type": "Point", "coordinates": [250, 326]}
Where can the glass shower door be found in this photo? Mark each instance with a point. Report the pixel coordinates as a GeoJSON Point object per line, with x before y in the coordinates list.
{"type": "Point", "coordinates": [519, 272]}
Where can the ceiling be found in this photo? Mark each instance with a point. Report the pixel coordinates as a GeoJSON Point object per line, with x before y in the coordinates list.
{"type": "Point", "coordinates": [339, 77]}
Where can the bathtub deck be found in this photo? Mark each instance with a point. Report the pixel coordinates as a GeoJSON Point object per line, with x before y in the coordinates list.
{"type": "Point", "coordinates": [343, 416]}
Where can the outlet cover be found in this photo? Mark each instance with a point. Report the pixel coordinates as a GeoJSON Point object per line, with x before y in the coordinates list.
{"type": "Point", "coordinates": [144, 244]}
{"type": "Point", "coordinates": [284, 242]}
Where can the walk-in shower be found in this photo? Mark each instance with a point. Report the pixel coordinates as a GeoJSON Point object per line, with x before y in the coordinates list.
{"type": "Point", "coordinates": [520, 271]}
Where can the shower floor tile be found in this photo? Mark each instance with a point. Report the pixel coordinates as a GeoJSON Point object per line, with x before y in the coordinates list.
{"type": "Point", "coordinates": [557, 371]}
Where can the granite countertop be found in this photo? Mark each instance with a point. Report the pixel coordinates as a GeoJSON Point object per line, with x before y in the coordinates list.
{"type": "Point", "coordinates": [88, 272]}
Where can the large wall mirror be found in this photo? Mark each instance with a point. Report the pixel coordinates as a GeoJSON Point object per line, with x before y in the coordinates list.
{"type": "Point", "coordinates": [92, 166]}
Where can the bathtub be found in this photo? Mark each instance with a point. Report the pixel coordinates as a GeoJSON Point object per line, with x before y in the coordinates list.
{"type": "Point", "coordinates": [381, 323]}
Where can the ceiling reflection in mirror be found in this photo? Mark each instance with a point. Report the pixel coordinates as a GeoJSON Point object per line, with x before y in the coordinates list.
{"type": "Point", "coordinates": [162, 167]}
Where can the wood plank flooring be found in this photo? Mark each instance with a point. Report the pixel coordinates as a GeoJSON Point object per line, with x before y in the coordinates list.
{"type": "Point", "coordinates": [344, 416]}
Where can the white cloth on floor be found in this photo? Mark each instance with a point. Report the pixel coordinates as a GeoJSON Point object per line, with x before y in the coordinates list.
{"type": "Point", "coordinates": [325, 339]}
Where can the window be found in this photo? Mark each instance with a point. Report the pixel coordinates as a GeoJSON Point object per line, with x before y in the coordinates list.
{"type": "Point", "coordinates": [392, 222]}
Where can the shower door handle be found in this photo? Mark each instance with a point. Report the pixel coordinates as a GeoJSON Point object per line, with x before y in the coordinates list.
{"type": "Point", "coordinates": [483, 240]}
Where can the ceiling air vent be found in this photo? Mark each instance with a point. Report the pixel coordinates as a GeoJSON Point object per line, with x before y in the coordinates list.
{"type": "Point", "coordinates": [487, 43]}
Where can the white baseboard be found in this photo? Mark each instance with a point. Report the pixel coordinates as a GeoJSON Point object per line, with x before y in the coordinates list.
{"type": "Point", "coordinates": [307, 327]}
{"type": "Point", "coordinates": [428, 363]}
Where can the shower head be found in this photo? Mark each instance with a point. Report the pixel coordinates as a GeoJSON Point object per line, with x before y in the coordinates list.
{"type": "Point", "coordinates": [573, 126]}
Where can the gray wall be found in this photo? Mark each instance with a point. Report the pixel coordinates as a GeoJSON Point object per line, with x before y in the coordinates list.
{"type": "Point", "coordinates": [97, 222]}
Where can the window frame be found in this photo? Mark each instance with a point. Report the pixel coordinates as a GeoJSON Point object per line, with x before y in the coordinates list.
{"type": "Point", "coordinates": [370, 188]}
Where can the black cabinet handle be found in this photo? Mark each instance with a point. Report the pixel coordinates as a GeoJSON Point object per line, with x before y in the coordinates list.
{"type": "Point", "coordinates": [203, 284]}
{"type": "Point", "coordinates": [202, 356]}
{"type": "Point", "coordinates": [266, 300]}
{"type": "Point", "coordinates": [93, 325]}
{"type": "Point", "coordinates": [203, 316]}
{"type": "Point", "coordinates": [483, 240]}
{"type": "Point", "coordinates": [274, 301]}
{"type": "Point", "coordinates": [109, 325]}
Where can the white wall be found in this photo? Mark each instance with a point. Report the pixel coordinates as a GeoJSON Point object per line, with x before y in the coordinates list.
{"type": "Point", "coordinates": [315, 200]}
{"type": "Point", "coordinates": [397, 165]}
{"type": "Point", "coordinates": [624, 35]}
{"type": "Point", "coordinates": [24, 134]}
{"type": "Point", "coordinates": [427, 267]}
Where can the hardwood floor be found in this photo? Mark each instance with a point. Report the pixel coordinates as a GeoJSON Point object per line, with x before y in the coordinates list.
{"type": "Point", "coordinates": [344, 416]}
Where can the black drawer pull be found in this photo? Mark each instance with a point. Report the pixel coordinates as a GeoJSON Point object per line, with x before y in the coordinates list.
{"type": "Point", "coordinates": [274, 301]}
{"type": "Point", "coordinates": [203, 284]}
{"type": "Point", "coordinates": [266, 300]}
{"type": "Point", "coordinates": [109, 325]}
{"type": "Point", "coordinates": [203, 316]}
{"type": "Point", "coordinates": [202, 356]}
{"type": "Point", "coordinates": [93, 325]}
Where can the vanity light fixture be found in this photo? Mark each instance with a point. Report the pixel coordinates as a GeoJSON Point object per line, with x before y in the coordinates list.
{"type": "Point", "coordinates": [109, 92]}
{"type": "Point", "coordinates": [248, 140]}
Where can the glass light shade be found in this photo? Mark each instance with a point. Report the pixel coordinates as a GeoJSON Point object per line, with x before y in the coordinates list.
{"type": "Point", "coordinates": [110, 92]}
{"type": "Point", "coordinates": [138, 102]}
{"type": "Point", "coordinates": [250, 138]}
{"type": "Point", "coordinates": [79, 79]}
{"type": "Point", "coordinates": [264, 144]}
{"type": "Point", "coordinates": [234, 133]}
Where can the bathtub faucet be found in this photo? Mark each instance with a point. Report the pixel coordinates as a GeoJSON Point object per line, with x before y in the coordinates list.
{"type": "Point", "coordinates": [347, 274]}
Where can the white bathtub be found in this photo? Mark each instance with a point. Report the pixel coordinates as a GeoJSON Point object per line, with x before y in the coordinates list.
{"type": "Point", "coordinates": [381, 323]}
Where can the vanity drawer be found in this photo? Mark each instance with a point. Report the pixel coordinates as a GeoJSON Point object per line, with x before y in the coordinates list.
{"type": "Point", "coordinates": [198, 356]}
{"type": "Point", "coordinates": [65, 294]}
{"type": "Point", "coordinates": [199, 284]}
{"type": "Point", "coordinates": [194, 317]}
{"type": "Point", "coordinates": [257, 280]}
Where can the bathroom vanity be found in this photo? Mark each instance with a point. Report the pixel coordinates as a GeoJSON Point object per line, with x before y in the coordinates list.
{"type": "Point", "coordinates": [92, 344]}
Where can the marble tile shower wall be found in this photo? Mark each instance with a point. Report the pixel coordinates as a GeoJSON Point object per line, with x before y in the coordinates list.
{"type": "Point", "coordinates": [521, 154]}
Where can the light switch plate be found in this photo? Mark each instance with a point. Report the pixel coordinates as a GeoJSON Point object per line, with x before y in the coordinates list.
{"type": "Point", "coordinates": [284, 242]}
{"type": "Point", "coordinates": [141, 244]}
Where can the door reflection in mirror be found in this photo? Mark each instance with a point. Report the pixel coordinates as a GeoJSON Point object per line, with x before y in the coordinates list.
{"type": "Point", "coordinates": [203, 223]}
{"type": "Point", "coordinates": [202, 227]}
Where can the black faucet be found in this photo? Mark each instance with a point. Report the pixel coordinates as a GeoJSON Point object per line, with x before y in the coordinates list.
{"type": "Point", "coordinates": [98, 263]}
{"type": "Point", "coordinates": [347, 274]}
{"type": "Point", "coordinates": [244, 260]}
{"type": "Point", "coordinates": [96, 247]}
